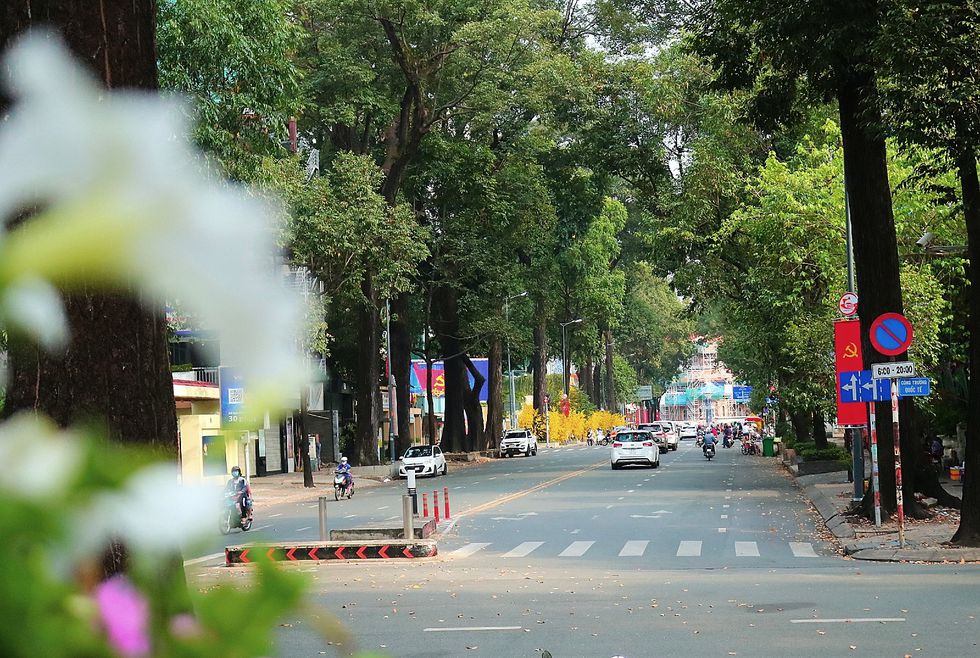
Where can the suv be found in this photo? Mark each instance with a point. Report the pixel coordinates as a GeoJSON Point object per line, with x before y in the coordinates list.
{"type": "Point", "coordinates": [518, 442]}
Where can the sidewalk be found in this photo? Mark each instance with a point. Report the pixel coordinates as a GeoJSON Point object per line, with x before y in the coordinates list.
{"type": "Point", "coordinates": [288, 487]}
{"type": "Point", "coordinates": [925, 541]}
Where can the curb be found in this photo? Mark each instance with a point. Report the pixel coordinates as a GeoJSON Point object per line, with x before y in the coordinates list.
{"type": "Point", "coordinates": [836, 523]}
{"type": "Point", "coordinates": [329, 551]}
{"type": "Point", "coordinates": [944, 555]}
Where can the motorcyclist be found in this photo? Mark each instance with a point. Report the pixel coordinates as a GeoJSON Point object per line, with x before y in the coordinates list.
{"type": "Point", "coordinates": [709, 441]}
{"type": "Point", "coordinates": [344, 468]}
{"type": "Point", "coordinates": [238, 485]}
{"type": "Point", "coordinates": [727, 436]}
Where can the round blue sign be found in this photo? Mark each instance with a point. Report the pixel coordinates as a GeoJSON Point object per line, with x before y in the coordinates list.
{"type": "Point", "coordinates": [891, 334]}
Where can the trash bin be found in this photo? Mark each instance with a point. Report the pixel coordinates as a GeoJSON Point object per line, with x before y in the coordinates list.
{"type": "Point", "coordinates": [767, 447]}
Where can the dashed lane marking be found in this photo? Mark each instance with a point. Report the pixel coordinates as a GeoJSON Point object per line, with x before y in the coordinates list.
{"type": "Point", "coordinates": [689, 549]}
{"type": "Point", "coordinates": [576, 549]}
{"type": "Point", "coordinates": [634, 548]}
{"type": "Point", "coordinates": [469, 549]}
{"type": "Point", "coordinates": [523, 549]}
{"type": "Point", "coordinates": [802, 549]}
{"type": "Point", "coordinates": [746, 549]}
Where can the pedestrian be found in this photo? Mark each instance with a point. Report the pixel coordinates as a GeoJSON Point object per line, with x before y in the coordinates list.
{"type": "Point", "coordinates": [319, 461]}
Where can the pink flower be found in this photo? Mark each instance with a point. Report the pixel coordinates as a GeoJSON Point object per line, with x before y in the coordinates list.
{"type": "Point", "coordinates": [125, 615]}
{"type": "Point", "coordinates": [184, 626]}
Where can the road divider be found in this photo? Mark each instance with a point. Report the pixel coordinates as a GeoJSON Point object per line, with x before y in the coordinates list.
{"type": "Point", "coordinates": [329, 551]}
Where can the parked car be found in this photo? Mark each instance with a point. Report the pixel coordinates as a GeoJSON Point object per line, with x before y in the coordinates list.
{"type": "Point", "coordinates": [634, 447]}
{"type": "Point", "coordinates": [518, 442]}
{"type": "Point", "coordinates": [424, 460]}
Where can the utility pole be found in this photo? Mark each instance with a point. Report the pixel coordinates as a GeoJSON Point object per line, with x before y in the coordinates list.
{"type": "Point", "coordinates": [392, 415]}
{"type": "Point", "coordinates": [857, 443]}
{"type": "Point", "coordinates": [510, 370]}
{"type": "Point", "coordinates": [564, 355]}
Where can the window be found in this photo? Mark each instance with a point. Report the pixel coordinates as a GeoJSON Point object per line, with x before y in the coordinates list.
{"type": "Point", "coordinates": [419, 451]}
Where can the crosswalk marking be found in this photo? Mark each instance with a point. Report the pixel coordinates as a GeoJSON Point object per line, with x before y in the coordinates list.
{"type": "Point", "coordinates": [469, 550]}
{"type": "Point", "coordinates": [634, 548]}
{"type": "Point", "coordinates": [689, 549]}
{"type": "Point", "coordinates": [523, 549]}
{"type": "Point", "coordinates": [802, 549]}
{"type": "Point", "coordinates": [746, 549]}
{"type": "Point", "coordinates": [576, 549]}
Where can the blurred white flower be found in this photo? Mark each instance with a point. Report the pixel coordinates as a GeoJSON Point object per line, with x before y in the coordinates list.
{"type": "Point", "coordinates": [38, 460]}
{"type": "Point", "coordinates": [152, 514]}
{"type": "Point", "coordinates": [34, 306]}
{"type": "Point", "coordinates": [125, 201]}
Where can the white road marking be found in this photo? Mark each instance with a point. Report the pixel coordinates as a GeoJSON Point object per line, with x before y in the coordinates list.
{"type": "Point", "coordinates": [306, 527]}
{"type": "Point", "coordinates": [468, 550]}
{"type": "Point", "coordinates": [350, 516]}
{"type": "Point", "coordinates": [472, 628]}
{"type": "Point", "coordinates": [459, 487]}
{"type": "Point", "coordinates": [272, 516]}
{"type": "Point", "coordinates": [494, 477]}
{"type": "Point", "coordinates": [630, 491]}
{"type": "Point", "coordinates": [576, 549]}
{"type": "Point", "coordinates": [523, 549]}
{"type": "Point", "coordinates": [724, 516]}
{"type": "Point", "coordinates": [262, 527]}
{"type": "Point", "coordinates": [383, 507]}
{"type": "Point", "coordinates": [621, 498]}
{"type": "Point", "coordinates": [689, 549]}
{"type": "Point", "coordinates": [206, 558]}
{"type": "Point", "coordinates": [850, 620]}
{"type": "Point", "coordinates": [722, 529]}
{"type": "Point", "coordinates": [609, 506]}
{"type": "Point", "coordinates": [634, 548]}
{"type": "Point", "coordinates": [746, 549]}
{"type": "Point", "coordinates": [802, 549]}
{"type": "Point", "coordinates": [576, 531]}
{"type": "Point", "coordinates": [725, 506]}
{"type": "Point", "coordinates": [645, 516]}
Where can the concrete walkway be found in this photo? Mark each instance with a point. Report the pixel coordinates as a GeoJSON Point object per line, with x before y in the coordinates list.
{"type": "Point", "coordinates": [925, 541]}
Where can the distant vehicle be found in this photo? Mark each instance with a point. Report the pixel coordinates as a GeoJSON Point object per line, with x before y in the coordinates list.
{"type": "Point", "coordinates": [616, 430]}
{"type": "Point", "coordinates": [671, 431]}
{"type": "Point", "coordinates": [424, 460]}
{"type": "Point", "coordinates": [660, 431]}
{"type": "Point", "coordinates": [688, 430]}
{"type": "Point", "coordinates": [518, 442]}
{"type": "Point", "coordinates": [634, 447]}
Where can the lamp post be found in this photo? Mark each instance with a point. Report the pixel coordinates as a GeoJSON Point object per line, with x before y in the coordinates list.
{"type": "Point", "coordinates": [564, 355]}
{"type": "Point", "coordinates": [510, 370]}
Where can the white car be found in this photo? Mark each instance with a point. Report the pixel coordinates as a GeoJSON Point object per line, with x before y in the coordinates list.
{"type": "Point", "coordinates": [518, 442]}
{"type": "Point", "coordinates": [424, 460]}
{"type": "Point", "coordinates": [664, 433]}
{"type": "Point", "coordinates": [634, 447]}
{"type": "Point", "coordinates": [672, 430]}
{"type": "Point", "coordinates": [688, 431]}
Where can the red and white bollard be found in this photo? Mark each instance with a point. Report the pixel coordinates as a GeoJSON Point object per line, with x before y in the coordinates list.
{"type": "Point", "coordinates": [435, 504]}
{"type": "Point", "coordinates": [445, 491]}
{"type": "Point", "coordinates": [425, 506]}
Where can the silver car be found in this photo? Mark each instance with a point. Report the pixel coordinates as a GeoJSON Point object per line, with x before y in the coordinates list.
{"type": "Point", "coordinates": [634, 447]}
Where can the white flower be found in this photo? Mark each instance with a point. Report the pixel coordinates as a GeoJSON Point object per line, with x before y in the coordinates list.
{"type": "Point", "coordinates": [37, 461]}
{"type": "Point", "coordinates": [152, 514]}
{"type": "Point", "coordinates": [127, 203]}
{"type": "Point", "coordinates": [34, 306]}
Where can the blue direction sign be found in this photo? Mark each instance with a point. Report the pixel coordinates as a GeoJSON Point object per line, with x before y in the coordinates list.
{"type": "Point", "coordinates": [859, 386]}
{"type": "Point", "coordinates": [741, 393]}
{"type": "Point", "coordinates": [917, 387]}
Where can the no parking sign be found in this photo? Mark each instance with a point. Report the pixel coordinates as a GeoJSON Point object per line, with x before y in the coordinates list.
{"type": "Point", "coordinates": [891, 334]}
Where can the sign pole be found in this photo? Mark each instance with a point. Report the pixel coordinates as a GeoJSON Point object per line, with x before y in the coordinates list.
{"type": "Point", "coordinates": [874, 464]}
{"type": "Point", "coordinates": [896, 437]}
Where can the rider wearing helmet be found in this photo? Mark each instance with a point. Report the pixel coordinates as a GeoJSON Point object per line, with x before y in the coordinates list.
{"type": "Point", "coordinates": [238, 485]}
{"type": "Point", "coordinates": [344, 467]}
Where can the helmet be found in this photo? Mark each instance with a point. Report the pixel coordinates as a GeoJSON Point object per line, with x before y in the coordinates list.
{"type": "Point", "coordinates": [343, 460]}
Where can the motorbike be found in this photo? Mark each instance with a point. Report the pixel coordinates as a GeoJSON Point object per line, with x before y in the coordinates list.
{"type": "Point", "coordinates": [343, 485]}
{"type": "Point", "coordinates": [231, 516]}
{"type": "Point", "coordinates": [700, 441]}
{"type": "Point", "coordinates": [749, 447]}
{"type": "Point", "coordinates": [604, 441]}
{"type": "Point", "coordinates": [709, 452]}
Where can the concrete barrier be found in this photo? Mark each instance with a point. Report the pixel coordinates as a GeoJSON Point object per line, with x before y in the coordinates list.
{"type": "Point", "coordinates": [365, 534]}
{"type": "Point", "coordinates": [329, 551]}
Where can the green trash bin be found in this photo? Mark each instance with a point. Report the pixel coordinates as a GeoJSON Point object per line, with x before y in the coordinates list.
{"type": "Point", "coordinates": [767, 447]}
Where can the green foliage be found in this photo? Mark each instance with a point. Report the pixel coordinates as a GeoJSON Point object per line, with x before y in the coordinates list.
{"type": "Point", "coordinates": [812, 453]}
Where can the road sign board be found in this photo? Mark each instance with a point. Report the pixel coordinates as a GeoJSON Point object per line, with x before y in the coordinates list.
{"type": "Point", "coordinates": [891, 334]}
{"type": "Point", "coordinates": [644, 392]}
{"type": "Point", "coordinates": [893, 370]}
{"type": "Point", "coordinates": [859, 386]}
{"type": "Point", "coordinates": [913, 388]}
{"type": "Point", "coordinates": [848, 304]}
{"type": "Point", "coordinates": [741, 393]}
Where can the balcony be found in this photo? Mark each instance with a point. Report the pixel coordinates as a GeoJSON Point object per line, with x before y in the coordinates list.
{"type": "Point", "coordinates": [209, 375]}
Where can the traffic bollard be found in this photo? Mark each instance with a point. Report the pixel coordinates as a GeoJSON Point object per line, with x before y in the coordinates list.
{"type": "Point", "coordinates": [435, 505]}
{"type": "Point", "coordinates": [408, 517]}
{"type": "Point", "coordinates": [425, 506]}
{"type": "Point", "coordinates": [445, 492]}
{"type": "Point", "coordinates": [410, 479]}
{"type": "Point", "coordinates": [323, 518]}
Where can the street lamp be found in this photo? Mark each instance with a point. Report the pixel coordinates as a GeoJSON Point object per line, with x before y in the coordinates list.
{"type": "Point", "coordinates": [510, 371]}
{"type": "Point", "coordinates": [564, 356]}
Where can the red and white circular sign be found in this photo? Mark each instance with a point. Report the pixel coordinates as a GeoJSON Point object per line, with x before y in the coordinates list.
{"type": "Point", "coordinates": [848, 304]}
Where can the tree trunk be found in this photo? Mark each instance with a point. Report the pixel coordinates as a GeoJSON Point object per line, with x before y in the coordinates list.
{"type": "Point", "coordinates": [401, 365]}
{"type": "Point", "coordinates": [968, 534]}
{"type": "Point", "coordinates": [609, 346]}
{"type": "Point", "coordinates": [600, 398]}
{"type": "Point", "coordinates": [876, 259]}
{"type": "Point", "coordinates": [540, 357]}
{"type": "Point", "coordinates": [585, 377]}
{"type": "Point", "coordinates": [819, 430]}
{"type": "Point", "coordinates": [801, 424]}
{"type": "Point", "coordinates": [495, 398]}
{"type": "Point", "coordinates": [475, 438]}
{"type": "Point", "coordinates": [368, 395]}
{"type": "Point", "coordinates": [446, 326]}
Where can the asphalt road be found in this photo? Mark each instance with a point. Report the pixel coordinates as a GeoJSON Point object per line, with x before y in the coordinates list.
{"type": "Point", "coordinates": [559, 553]}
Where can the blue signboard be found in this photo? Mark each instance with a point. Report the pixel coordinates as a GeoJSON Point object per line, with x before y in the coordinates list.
{"type": "Point", "coordinates": [232, 388]}
{"type": "Point", "coordinates": [741, 393]}
{"type": "Point", "coordinates": [917, 387]}
{"type": "Point", "coordinates": [860, 386]}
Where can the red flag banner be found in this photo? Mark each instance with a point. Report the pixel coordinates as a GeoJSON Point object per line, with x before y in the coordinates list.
{"type": "Point", "coordinates": [847, 355]}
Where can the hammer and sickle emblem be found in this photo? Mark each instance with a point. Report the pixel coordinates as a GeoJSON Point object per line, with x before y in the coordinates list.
{"type": "Point", "coordinates": [851, 351]}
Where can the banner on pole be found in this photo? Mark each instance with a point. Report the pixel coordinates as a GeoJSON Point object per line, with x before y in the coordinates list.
{"type": "Point", "coordinates": [847, 357]}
